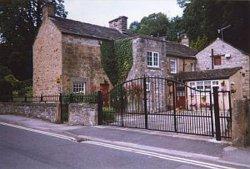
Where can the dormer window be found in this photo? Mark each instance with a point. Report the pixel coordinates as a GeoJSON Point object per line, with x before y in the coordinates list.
{"type": "Point", "coordinates": [153, 59]}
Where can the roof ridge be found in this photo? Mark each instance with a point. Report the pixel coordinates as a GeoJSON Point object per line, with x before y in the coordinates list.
{"type": "Point", "coordinates": [56, 17]}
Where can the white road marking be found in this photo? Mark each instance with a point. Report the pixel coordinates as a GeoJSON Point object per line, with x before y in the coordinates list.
{"type": "Point", "coordinates": [134, 149]}
{"type": "Point", "coordinates": [40, 132]}
{"type": "Point", "coordinates": [161, 156]}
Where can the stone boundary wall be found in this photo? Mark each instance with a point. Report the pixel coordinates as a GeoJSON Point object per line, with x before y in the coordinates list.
{"type": "Point", "coordinates": [45, 111]}
{"type": "Point", "coordinates": [83, 114]}
{"type": "Point", "coordinates": [241, 123]}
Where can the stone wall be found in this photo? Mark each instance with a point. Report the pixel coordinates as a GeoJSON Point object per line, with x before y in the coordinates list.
{"type": "Point", "coordinates": [47, 60]}
{"type": "Point", "coordinates": [241, 123]}
{"type": "Point", "coordinates": [183, 64]}
{"type": "Point", "coordinates": [44, 111]}
{"type": "Point", "coordinates": [140, 47]}
{"type": "Point", "coordinates": [83, 114]}
{"type": "Point", "coordinates": [237, 59]}
{"type": "Point", "coordinates": [82, 63]}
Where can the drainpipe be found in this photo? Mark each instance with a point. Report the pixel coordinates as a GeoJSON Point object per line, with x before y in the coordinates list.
{"type": "Point", "coordinates": [212, 57]}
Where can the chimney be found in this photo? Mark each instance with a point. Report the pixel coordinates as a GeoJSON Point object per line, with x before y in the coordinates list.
{"type": "Point", "coordinates": [185, 40]}
{"type": "Point", "coordinates": [119, 23]}
{"type": "Point", "coordinates": [48, 10]}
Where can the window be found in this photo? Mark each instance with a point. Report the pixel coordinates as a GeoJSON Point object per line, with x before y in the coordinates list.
{"type": "Point", "coordinates": [79, 88]}
{"type": "Point", "coordinates": [217, 60]}
{"type": "Point", "coordinates": [215, 83]}
{"type": "Point", "coordinates": [173, 66]}
{"type": "Point", "coordinates": [199, 85]}
{"type": "Point", "coordinates": [207, 85]}
{"type": "Point", "coordinates": [153, 59]}
{"type": "Point", "coordinates": [192, 67]}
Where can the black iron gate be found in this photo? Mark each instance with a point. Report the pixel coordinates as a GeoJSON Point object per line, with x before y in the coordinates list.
{"type": "Point", "coordinates": [163, 104]}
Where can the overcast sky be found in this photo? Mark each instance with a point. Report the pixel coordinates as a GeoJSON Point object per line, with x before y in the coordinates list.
{"type": "Point", "coordinates": [101, 11]}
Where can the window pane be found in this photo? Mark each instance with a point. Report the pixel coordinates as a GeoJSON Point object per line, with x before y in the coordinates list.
{"type": "Point", "coordinates": [79, 87]}
{"type": "Point", "coordinates": [173, 66]}
{"type": "Point", "coordinates": [156, 59]}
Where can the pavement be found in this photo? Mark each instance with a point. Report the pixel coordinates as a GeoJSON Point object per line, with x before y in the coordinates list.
{"type": "Point", "coordinates": [180, 145]}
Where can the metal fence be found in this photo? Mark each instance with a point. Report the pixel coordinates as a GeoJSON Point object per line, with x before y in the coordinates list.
{"type": "Point", "coordinates": [163, 104]}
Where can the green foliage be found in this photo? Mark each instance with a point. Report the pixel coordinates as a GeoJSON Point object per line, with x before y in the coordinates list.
{"type": "Point", "coordinates": [19, 23]}
{"type": "Point", "coordinates": [117, 59]}
{"type": "Point", "coordinates": [200, 43]}
{"type": "Point", "coordinates": [80, 98]}
{"type": "Point", "coordinates": [135, 26]}
{"type": "Point", "coordinates": [109, 60]}
{"type": "Point", "coordinates": [204, 18]}
{"type": "Point", "coordinates": [175, 29]}
{"type": "Point", "coordinates": [123, 53]}
{"type": "Point", "coordinates": [155, 24]}
{"type": "Point", "coordinates": [108, 115]}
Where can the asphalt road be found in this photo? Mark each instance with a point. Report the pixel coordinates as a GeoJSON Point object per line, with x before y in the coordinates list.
{"type": "Point", "coordinates": [21, 149]}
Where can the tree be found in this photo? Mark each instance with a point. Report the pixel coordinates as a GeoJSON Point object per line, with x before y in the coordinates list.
{"type": "Point", "coordinates": [202, 18]}
{"type": "Point", "coordinates": [175, 29]}
{"type": "Point", "coordinates": [134, 26]}
{"type": "Point", "coordinates": [155, 24]}
{"type": "Point", "coordinates": [19, 23]}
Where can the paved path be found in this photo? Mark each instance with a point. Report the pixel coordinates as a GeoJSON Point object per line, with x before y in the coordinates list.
{"type": "Point", "coordinates": [193, 147]}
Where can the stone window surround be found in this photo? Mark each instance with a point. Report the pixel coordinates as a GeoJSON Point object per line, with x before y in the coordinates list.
{"type": "Point", "coordinates": [79, 87]}
{"type": "Point", "coordinates": [152, 59]}
{"type": "Point", "coordinates": [78, 80]}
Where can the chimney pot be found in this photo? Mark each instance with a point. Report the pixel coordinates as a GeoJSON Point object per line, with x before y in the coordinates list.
{"type": "Point", "coordinates": [184, 40]}
{"type": "Point", "coordinates": [48, 10]}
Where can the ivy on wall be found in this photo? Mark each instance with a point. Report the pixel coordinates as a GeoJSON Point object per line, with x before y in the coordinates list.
{"type": "Point", "coordinates": [117, 59]}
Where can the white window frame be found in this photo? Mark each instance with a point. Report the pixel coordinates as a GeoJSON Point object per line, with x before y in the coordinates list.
{"type": "Point", "coordinates": [152, 57]}
{"type": "Point", "coordinates": [148, 86]}
{"type": "Point", "coordinates": [175, 65]}
{"type": "Point", "coordinates": [79, 87]}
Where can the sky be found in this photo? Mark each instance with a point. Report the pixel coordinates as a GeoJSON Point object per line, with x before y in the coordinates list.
{"type": "Point", "coordinates": [100, 12]}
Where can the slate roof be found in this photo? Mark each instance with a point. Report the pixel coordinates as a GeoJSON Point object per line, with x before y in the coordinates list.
{"type": "Point", "coordinates": [68, 26]}
{"type": "Point", "coordinates": [179, 50]}
{"type": "Point", "coordinates": [207, 74]}
{"type": "Point", "coordinates": [85, 29]}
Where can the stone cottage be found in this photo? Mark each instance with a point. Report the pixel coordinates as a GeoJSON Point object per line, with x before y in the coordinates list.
{"type": "Point", "coordinates": [218, 65]}
{"type": "Point", "coordinates": [220, 55]}
{"type": "Point", "coordinates": [67, 57]}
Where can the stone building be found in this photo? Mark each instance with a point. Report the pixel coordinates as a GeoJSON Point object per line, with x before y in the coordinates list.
{"type": "Point", "coordinates": [67, 56]}
{"type": "Point", "coordinates": [221, 55]}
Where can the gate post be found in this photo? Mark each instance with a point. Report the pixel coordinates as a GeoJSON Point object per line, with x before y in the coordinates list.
{"type": "Point", "coordinates": [216, 113]}
{"type": "Point", "coordinates": [122, 106]}
{"type": "Point", "coordinates": [99, 104]}
{"type": "Point", "coordinates": [174, 106]}
{"type": "Point", "coordinates": [145, 100]}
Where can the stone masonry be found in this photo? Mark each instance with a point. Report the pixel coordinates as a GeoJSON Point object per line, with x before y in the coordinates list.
{"type": "Point", "coordinates": [44, 111]}
{"type": "Point", "coordinates": [83, 114]}
{"type": "Point", "coordinates": [237, 59]}
{"type": "Point", "coordinates": [47, 60]}
{"type": "Point", "coordinates": [82, 62]}
{"type": "Point", "coordinates": [140, 47]}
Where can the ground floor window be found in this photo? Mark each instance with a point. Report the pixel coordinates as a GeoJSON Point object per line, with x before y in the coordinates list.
{"type": "Point", "coordinates": [79, 87]}
{"type": "Point", "coordinates": [204, 85]}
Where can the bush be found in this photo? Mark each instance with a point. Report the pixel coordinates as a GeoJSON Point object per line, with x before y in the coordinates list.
{"type": "Point", "coordinates": [80, 98]}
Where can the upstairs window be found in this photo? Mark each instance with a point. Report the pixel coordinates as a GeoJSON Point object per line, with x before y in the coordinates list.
{"type": "Point", "coordinates": [79, 87]}
{"type": "Point", "coordinates": [173, 66]}
{"type": "Point", "coordinates": [217, 60]}
{"type": "Point", "coordinates": [153, 59]}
